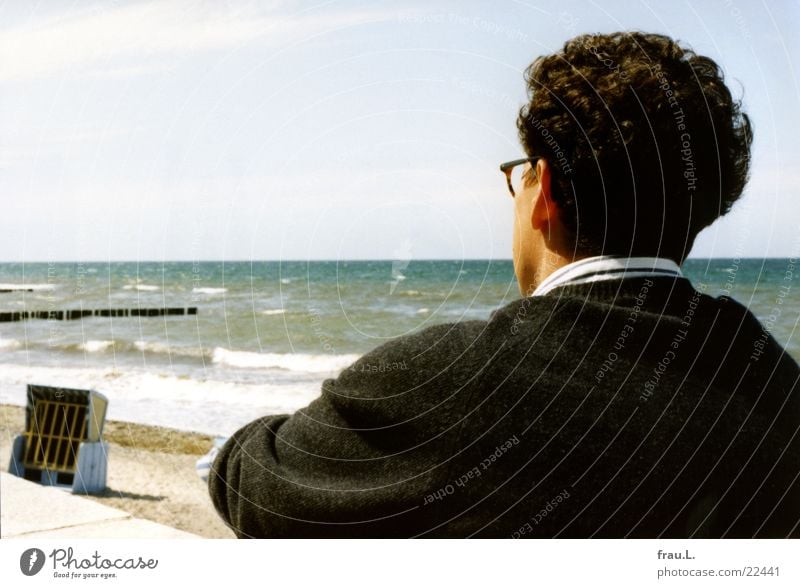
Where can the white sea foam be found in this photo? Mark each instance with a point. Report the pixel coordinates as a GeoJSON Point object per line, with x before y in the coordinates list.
{"type": "Point", "coordinates": [286, 281]}
{"type": "Point", "coordinates": [95, 346]}
{"type": "Point", "coordinates": [163, 348]}
{"type": "Point", "coordinates": [9, 344]}
{"type": "Point", "coordinates": [141, 287]}
{"type": "Point", "coordinates": [297, 362]}
{"type": "Point", "coordinates": [209, 290]}
{"type": "Point", "coordinates": [134, 395]}
{"type": "Point", "coordinates": [423, 311]}
{"type": "Point", "coordinates": [24, 287]}
{"type": "Point", "coordinates": [151, 346]}
{"type": "Point", "coordinates": [272, 311]}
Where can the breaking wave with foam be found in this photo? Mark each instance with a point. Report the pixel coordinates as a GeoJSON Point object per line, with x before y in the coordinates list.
{"type": "Point", "coordinates": [27, 287]}
{"type": "Point", "coordinates": [297, 362]}
{"type": "Point", "coordinates": [9, 344]}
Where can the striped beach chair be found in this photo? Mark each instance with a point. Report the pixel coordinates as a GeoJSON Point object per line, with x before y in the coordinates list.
{"type": "Point", "coordinates": [62, 443]}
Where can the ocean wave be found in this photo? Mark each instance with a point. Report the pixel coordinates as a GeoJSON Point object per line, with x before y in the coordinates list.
{"type": "Point", "coordinates": [96, 346]}
{"type": "Point", "coordinates": [296, 362]}
{"type": "Point", "coordinates": [201, 403]}
{"type": "Point", "coordinates": [9, 344]}
{"type": "Point", "coordinates": [209, 290]}
{"type": "Point", "coordinates": [286, 281]}
{"type": "Point", "coordinates": [272, 311]}
{"type": "Point", "coordinates": [141, 287]}
{"type": "Point", "coordinates": [27, 287]}
{"type": "Point", "coordinates": [122, 346]}
{"type": "Point", "coordinates": [88, 346]}
{"type": "Point", "coordinates": [164, 349]}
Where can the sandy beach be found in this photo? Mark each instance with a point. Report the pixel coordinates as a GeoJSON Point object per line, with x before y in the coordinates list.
{"type": "Point", "coordinates": [150, 473]}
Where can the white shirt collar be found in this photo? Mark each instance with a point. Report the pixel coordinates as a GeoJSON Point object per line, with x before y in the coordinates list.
{"type": "Point", "coordinates": [607, 267]}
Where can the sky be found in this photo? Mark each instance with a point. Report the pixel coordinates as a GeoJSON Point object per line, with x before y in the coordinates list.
{"type": "Point", "coordinates": [228, 130]}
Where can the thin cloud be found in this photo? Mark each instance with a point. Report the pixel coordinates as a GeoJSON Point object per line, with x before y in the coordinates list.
{"type": "Point", "coordinates": [146, 32]}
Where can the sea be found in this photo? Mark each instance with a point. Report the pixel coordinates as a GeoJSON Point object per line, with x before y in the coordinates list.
{"type": "Point", "coordinates": [267, 333]}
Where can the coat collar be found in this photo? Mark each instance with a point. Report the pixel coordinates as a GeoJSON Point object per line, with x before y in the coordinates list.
{"type": "Point", "coordinates": [607, 268]}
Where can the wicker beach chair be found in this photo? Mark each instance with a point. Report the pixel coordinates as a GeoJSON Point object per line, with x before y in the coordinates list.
{"type": "Point", "coordinates": [62, 443]}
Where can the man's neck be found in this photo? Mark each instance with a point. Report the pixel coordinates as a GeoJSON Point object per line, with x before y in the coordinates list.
{"type": "Point", "coordinates": [549, 262]}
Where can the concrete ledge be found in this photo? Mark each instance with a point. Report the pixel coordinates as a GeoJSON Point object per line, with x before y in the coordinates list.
{"type": "Point", "coordinates": [31, 510]}
{"type": "Point", "coordinates": [129, 528]}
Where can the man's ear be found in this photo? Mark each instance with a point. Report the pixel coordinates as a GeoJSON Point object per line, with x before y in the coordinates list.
{"type": "Point", "coordinates": [544, 211]}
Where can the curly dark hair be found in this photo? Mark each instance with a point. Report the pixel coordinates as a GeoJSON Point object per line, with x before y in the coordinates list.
{"type": "Point", "coordinates": [645, 143]}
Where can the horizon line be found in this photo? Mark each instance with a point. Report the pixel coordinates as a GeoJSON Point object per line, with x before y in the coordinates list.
{"type": "Point", "coordinates": [326, 260]}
